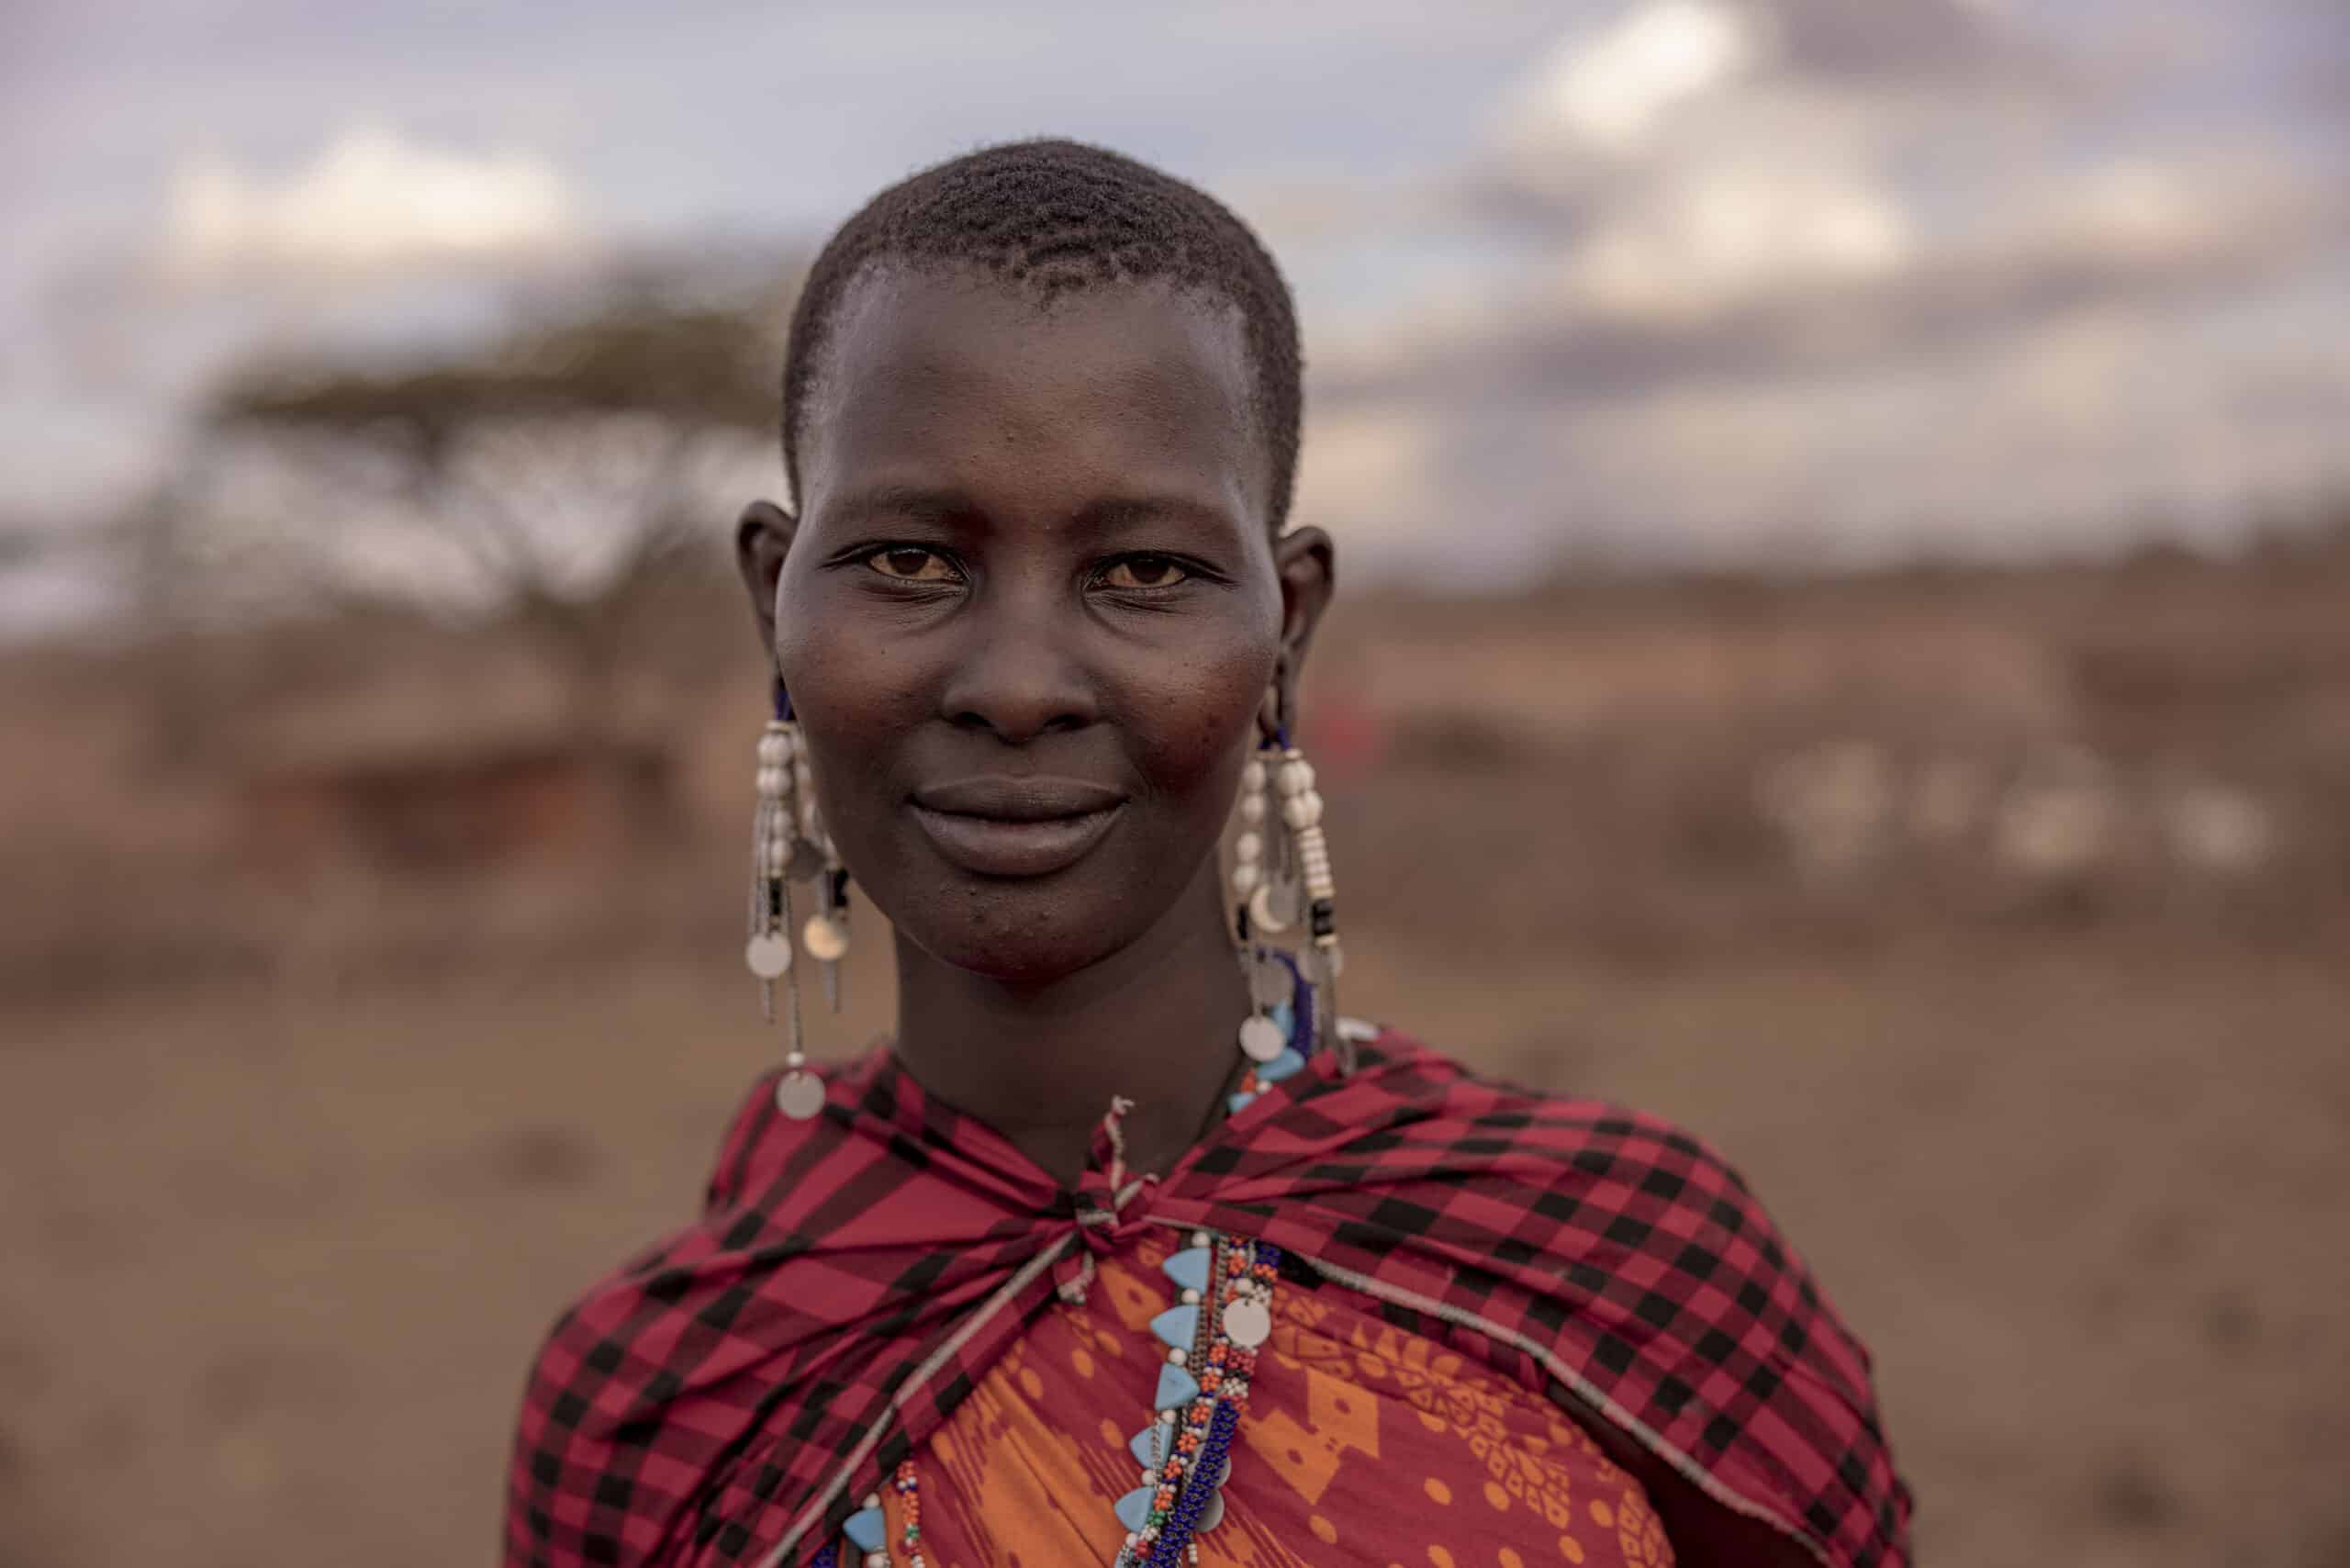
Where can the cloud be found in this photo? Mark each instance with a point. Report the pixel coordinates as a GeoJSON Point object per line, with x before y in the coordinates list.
{"type": "Point", "coordinates": [1890, 43]}
{"type": "Point", "coordinates": [1608, 89]}
{"type": "Point", "coordinates": [1871, 279]}
{"type": "Point", "coordinates": [1765, 269]}
{"type": "Point", "coordinates": [1732, 229]}
{"type": "Point", "coordinates": [370, 198]}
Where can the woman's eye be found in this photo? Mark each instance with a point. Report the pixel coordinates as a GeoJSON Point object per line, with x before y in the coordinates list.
{"type": "Point", "coordinates": [1144, 572]}
{"type": "Point", "coordinates": [911, 564]}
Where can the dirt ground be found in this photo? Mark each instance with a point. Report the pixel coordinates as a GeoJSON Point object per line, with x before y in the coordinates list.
{"type": "Point", "coordinates": [277, 1260]}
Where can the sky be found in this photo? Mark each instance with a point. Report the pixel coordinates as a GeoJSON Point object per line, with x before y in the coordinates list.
{"type": "Point", "coordinates": [1679, 280]}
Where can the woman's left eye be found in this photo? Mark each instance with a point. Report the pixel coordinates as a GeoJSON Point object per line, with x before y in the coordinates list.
{"type": "Point", "coordinates": [1144, 572]}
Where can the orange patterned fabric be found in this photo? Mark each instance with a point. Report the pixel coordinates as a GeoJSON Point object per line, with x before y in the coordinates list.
{"type": "Point", "coordinates": [1361, 1444]}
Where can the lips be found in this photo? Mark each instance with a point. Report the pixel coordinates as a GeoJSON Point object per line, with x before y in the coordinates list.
{"type": "Point", "coordinates": [1003, 826]}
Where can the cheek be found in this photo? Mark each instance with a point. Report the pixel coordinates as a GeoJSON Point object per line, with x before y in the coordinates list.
{"type": "Point", "coordinates": [1196, 728]}
{"type": "Point", "coordinates": [851, 686]}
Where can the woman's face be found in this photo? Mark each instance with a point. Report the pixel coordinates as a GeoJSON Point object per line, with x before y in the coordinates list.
{"type": "Point", "coordinates": [1030, 606]}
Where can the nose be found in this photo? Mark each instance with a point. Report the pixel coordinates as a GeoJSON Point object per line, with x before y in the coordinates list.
{"type": "Point", "coordinates": [1018, 676]}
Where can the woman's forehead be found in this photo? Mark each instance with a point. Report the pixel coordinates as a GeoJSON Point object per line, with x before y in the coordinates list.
{"type": "Point", "coordinates": [953, 376]}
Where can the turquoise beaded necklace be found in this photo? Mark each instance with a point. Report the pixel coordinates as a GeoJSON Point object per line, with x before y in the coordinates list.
{"type": "Point", "coordinates": [1223, 1314]}
{"type": "Point", "coordinates": [1185, 1452]}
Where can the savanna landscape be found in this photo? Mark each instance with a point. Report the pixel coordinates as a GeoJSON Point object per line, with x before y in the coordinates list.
{"type": "Point", "coordinates": [362, 1000]}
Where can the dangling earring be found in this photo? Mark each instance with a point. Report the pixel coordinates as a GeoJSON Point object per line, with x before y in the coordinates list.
{"type": "Point", "coordinates": [1281, 850]}
{"type": "Point", "coordinates": [826, 935]}
{"type": "Point", "coordinates": [1301, 814]}
{"type": "Point", "coordinates": [1254, 872]}
{"type": "Point", "coordinates": [780, 854]}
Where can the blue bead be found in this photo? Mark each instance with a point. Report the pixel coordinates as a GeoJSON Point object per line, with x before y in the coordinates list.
{"type": "Point", "coordinates": [1284, 1017]}
{"type": "Point", "coordinates": [1177, 1327]}
{"type": "Point", "coordinates": [1134, 1508]}
{"type": "Point", "coordinates": [1148, 1448]}
{"type": "Point", "coordinates": [1189, 1269]}
{"type": "Point", "coordinates": [865, 1527]}
{"type": "Point", "coordinates": [1177, 1387]}
{"type": "Point", "coordinates": [1238, 1102]}
{"type": "Point", "coordinates": [1282, 1066]}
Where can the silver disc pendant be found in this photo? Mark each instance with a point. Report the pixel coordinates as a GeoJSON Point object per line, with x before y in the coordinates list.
{"type": "Point", "coordinates": [1211, 1513]}
{"type": "Point", "coordinates": [806, 861]}
{"type": "Point", "coordinates": [827, 939]}
{"type": "Point", "coordinates": [770, 954]}
{"type": "Point", "coordinates": [1272, 907]}
{"type": "Point", "coordinates": [799, 1094]}
{"type": "Point", "coordinates": [1248, 1324]}
{"type": "Point", "coordinates": [1270, 983]}
{"type": "Point", "coordinates": [1260, 1038]}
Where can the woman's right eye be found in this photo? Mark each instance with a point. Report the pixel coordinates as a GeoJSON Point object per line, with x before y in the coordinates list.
{"type": "Point", "coordinates": [911, 564]}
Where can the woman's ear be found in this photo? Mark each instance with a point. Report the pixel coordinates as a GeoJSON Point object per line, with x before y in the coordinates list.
{"type": "Point", "coordinates": [1302, 557]}
{"type": "Point", "coordinates": [762, 539]}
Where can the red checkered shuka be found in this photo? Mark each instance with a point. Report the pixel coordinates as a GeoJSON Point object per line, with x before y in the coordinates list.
{"type": "Point", "coordinates": [748, 1380]}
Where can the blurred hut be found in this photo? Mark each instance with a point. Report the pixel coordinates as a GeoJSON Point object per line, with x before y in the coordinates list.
{"type": "Point", "coordinates": [458, 796]}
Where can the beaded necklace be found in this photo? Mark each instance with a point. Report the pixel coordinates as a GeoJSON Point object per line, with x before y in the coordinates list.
{"type": "Point", "coordinates": [1185, 1450]}
{"type": "Point", "coordinates": [865, 1530]}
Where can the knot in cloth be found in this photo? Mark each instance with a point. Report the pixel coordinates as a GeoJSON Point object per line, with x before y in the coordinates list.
{"type": "Point", "coordinates": [1110, 1205]}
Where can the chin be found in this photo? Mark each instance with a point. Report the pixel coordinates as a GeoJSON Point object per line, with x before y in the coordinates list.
{"type": "Point", "coordinates": [1018, 952]}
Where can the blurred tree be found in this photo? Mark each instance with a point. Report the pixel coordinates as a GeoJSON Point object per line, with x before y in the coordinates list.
{"type": "Point", "coordinates": [556, 475]}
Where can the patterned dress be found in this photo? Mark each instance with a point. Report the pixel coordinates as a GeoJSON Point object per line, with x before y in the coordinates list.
{"type": "Point", "coordinates": [1473, 1277]}
{"type": "Point", "coordinates": [1362, 1443]}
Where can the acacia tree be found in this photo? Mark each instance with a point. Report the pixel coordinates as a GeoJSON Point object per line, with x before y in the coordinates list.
{"type": "Point", "coordinates": [553, 477]}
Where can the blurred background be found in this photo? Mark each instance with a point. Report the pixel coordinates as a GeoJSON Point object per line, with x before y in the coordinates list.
{"type": "Point", "coordinates": [1845, 522]}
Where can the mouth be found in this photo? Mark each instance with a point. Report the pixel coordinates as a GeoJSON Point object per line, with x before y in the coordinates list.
{"type": "Point", "coordinates": [1001, 827]}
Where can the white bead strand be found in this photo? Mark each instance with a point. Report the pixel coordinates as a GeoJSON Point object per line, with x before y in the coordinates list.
{"type": "Point", "coordinates": [1249, 870]}
{"type": "Point", "coordinates": [784, 797]}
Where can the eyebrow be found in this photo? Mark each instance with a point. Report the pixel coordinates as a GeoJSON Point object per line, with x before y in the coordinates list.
{"type": "Point", "coordinates": [1105, 514]}
{"type": "Point", "coordinates": [899, 500]}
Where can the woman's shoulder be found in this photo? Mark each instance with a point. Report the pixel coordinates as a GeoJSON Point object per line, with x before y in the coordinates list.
{"type": "Point", "coordinates": [659, 1350]}
{"type": "Point", "coordinates": [1589, 1134]}
{"type": "Point", "coordinates": [1608, 1181]}
{"type": "Point", "coordinates": [753, 1130]}
{"type": "Point", "coordinates": [761, 1140]}
{"type": "Point", "coordinates": [1659, 1276]}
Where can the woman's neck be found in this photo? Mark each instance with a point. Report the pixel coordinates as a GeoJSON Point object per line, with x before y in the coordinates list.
{"type": "Point", "coordinates": [1155, 1022]}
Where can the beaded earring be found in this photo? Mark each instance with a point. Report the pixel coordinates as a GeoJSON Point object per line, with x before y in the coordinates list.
{"type": "Point", "coordinates": [1281, 870]}
{"type": "Point", "coordinates": [786, 846]}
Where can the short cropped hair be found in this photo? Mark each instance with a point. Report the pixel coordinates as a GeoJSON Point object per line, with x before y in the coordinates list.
{"type": "Point", "coordinates": [1058, 217]}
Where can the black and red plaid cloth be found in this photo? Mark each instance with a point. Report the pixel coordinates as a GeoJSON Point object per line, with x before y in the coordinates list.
{"type": "Point", "coordinates": [700, 1407]}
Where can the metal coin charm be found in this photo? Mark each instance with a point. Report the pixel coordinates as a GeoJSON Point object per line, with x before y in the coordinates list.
{"type": "Point", "coordinates": [1270, 983]}
{"type": "Point", "coordinates": [1273, 906]}
{"type": "Point", "coordinates": [1248, 1324]}
{"type": "Point", "coordinates": [827, 939]}
{"type": "Point", "coordinates": [1211, 1513]}
{"type": "Point", "coordinates": [1260, 1038]}
{"type": "Point", "coordinates": [806, 861]}
{"type": "Point", "coordinates": [799, 1094]}
{"type": "Point", "coordinates": [768, 954]}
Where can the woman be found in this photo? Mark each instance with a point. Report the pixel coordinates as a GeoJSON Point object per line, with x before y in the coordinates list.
{"type": "Point", "coordinates": [1125, 1249]}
